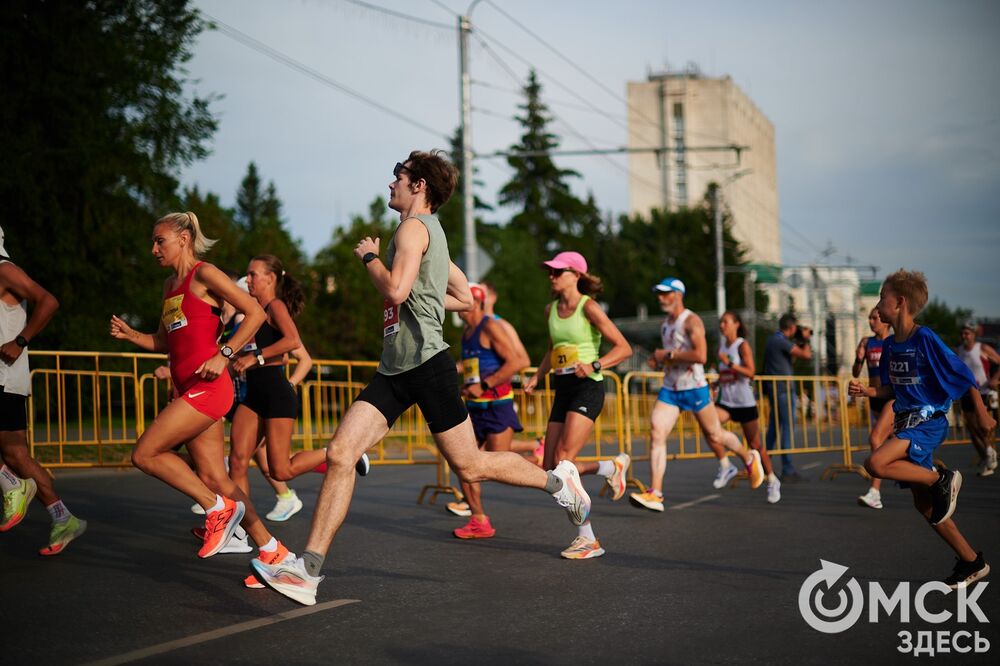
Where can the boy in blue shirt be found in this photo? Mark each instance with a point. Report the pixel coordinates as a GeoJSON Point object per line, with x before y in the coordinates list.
{"type": "Point", "coordinates": [924, 376]}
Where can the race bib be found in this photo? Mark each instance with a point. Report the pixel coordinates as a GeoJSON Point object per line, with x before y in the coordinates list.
{"type": "Point", "coordinates": [173, 314]}
{"type": "Point", "coordinates": [470, 370]}
{"type": "Point", "coordinates": [564, 358]}
{"type": "Point", "coordinates": [390, 318]}
{"type": "Point", "coordinates": [250, 347]}
{"type": "Point", "coordinates": [727, 376]}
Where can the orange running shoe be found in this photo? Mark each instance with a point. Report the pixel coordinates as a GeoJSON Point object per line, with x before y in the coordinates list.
{"type": "Point", "coordinates": [220, 525]}
{"type": "Point", "coordinates": [277, 557]}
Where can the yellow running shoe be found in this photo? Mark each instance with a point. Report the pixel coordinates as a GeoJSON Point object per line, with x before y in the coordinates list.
{"type": "Point", "coordinates": [62, 534]}
{"type": "Point", "coordinates": [583, 548]}
{"type": "Point", "coordinates": [647, 500]}
{"type": "Point", "coordinates": [755, 470]}
{"type": "Point", "coordinates": [15, 503]}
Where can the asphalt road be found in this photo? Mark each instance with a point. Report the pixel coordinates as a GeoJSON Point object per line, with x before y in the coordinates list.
{"type": "Point", "coordinates": [714, 579]}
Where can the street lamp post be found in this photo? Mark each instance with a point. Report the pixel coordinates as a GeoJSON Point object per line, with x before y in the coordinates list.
{"type": "Point", "coordinates": [465, 100]}
{"type": "Point", "coordinates": [720, 266]}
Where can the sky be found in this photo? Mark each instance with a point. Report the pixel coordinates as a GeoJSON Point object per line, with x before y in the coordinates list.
{"type": "Point", "coordinates": [886, 112]}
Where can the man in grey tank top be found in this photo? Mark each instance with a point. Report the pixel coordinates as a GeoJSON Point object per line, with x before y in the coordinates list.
{"type": "Point", "coordinates": [417, 283]}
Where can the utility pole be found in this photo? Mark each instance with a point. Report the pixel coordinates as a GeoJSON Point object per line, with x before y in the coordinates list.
{"type": "Point", "coordinates": [465, 97]}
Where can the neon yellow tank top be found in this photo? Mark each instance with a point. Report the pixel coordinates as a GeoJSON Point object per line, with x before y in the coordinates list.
{"type": "Point", "coordinates": [574, 340]}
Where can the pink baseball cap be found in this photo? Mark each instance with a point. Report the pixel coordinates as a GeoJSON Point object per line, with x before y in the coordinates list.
{"type": "Point", "coordinates": [572, 260]}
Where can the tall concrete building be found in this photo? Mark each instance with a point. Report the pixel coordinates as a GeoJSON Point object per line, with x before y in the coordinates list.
{"type": "Point", "coordinates": [688, 112]}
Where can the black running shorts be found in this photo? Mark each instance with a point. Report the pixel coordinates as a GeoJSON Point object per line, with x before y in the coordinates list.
{"type": "Point", "coordinates": [741, 414]}
{"type": "Point", "coordinates": [432, 386]}
{"type": "Point", "coordinates": [270, 395]}
{"type": "Point", "coordinates": [13, 411]}
{"type": "Point", "coordinates": [574, 394]}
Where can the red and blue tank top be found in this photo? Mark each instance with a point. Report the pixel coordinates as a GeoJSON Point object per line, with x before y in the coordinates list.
{"type": "Point", "coordinates": [478, 363]}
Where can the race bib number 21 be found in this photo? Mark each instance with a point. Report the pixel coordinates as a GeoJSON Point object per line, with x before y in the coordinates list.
{"type": "Point", "coordinates": [390, 318]}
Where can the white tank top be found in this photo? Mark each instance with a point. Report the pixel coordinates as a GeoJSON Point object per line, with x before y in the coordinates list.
{"type": "Point", "coordinates": [734, 388]}
{"type": "Point", "coordinates": [973, 359]}
{"type": "Point", "coordinates": [680, 376]}
{"type": "Point", "coordinates": [14, 378]}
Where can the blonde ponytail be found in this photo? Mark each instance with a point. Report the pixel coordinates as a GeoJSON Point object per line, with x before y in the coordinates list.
{"type": "Point", "coordinates": [189, 222]}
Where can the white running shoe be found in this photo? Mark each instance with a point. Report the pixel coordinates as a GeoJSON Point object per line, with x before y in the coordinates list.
{"type": "Point", "coordinates": [289, 578]}
{"type": "Point", "coordinates": [363, 466]}
{"type": "Point", "coordinates": [197, 508]}
{"type": "Point", "coordinates": [617, 480]}
{"type": "Point", "coordinates": [774, 491]}
{"type": "Point", "coordinates": [989, 465]}
{"type": "Point", "coordinates": [724, 476]}
{"type": "Point", "coordinates": [459, 509]}
{"type": "Point", "coordinates": [572, 496]}
{"type": "Point", "coordinates": [285, 508]}
{"type": "Point", "coordinates": [237, 543]}
{"type": "Point", "coordinates": [872, 498]}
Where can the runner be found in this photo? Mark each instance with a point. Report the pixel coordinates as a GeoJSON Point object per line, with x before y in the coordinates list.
{"type": "Point", "coordinates": [977, 358]}
{"type": "Point", "coordinates": [924, 377]}
{"type": "Point", "coordinates": [418, 283]}
{"type": "Point", "coordinates": [576, 326]}
{"type": "Point", "coordinates": [870, 352]}
{"type": "Point", "coordinates": [736, 400]}
{"type": "Point", "coordinates": [20, 475]}
{"type": "Point", "coordinates": [682, 358]}
{"type": "Point", "coordinates": [189, 327]}
{"type": "Point", "coordinates": [489, 360]}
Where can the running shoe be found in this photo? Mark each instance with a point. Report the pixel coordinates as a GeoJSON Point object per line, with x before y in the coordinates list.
{"type": "Point", "coordinates": [475, 529]}
{"type": "Point", "coordinates": [197, 509]}
{"type": "Point", "coordinates": [363, 466]}
{"type": "Point", "coordinates": [617, 481]}
{"type": "Point", "coordinates": [15, 503]}
{"type": "Point", "coordinates": [276, 557]}
{"type": "Point", "coordinates": [238, 543]}
{"type": "Point", "coordinates": [872, 498]}
{"type": "Point", "coordinates": [285, 507]}
{"type": "Point", "coordinates": [583, 548]}
{"type": "Point", "coordinates": [289, 578]}
{"type": "Point", "coordinates": [944, 495]}
{"type": "Point", "coordinates": [755, 470]}
{"type": "Point", "coordinates": [647, 500]}
{"type": "Point", "coordinates": [539, 453]}
{"type": "Point", "coordinates": [967, 573]}
{"type": "Point", "coordinates": [724, 476]}
{"type": "Point", "coordinates": [773, 491]}
{"type": "Point", "coordinates": [572, 496]}
{"type": "Point", "coordinates": [459, 509]}
{"type": "Point", "coordinates": [62, 533]}
{"type": "Point", "coordinates": [220, 526]}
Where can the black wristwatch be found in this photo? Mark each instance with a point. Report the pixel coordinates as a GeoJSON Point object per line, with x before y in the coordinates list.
{"type": "Point", "coordinates": [260, 359]}
{"type": "Point", "coordinates": [226, 351]}
{"type": "Point", "coordinates": [597, 366]}
{"type": "Point", "coordinates": [483, 385]}
{"type": "Point", "coordinates": [368, 258]}
{"type": "Point", "coordinates": [21, 341]}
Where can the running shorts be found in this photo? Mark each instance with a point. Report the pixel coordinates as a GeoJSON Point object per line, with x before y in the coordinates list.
{"type": "Point", "coordinates": [13, 411]}
{"type": "Point", "coordinates": [213, 399]}
{"type": "Point", "coordinates": [924, 440]}
{"type": "Point", "coordinates": [692, 400]}
{"type": "Point", "coordinates": [576, 394]}
{"type": "Point", "coordinates": [269, 394]}
{"type": "Point", "coordinates": [493, 418]}
{"type": "Point", "coordinates": [432, 386]}
{"type": "Point", "coordinates": [741, 414]}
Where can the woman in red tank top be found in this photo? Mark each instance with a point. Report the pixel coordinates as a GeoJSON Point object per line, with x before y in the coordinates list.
{"type": "Point", "coordinates": [189, 329]}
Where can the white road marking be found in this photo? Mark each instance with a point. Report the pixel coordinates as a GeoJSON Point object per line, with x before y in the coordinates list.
{"type": "Point", "coordinates": [204, 637]}
{"type": "Point", "coordinates": [706, 498]}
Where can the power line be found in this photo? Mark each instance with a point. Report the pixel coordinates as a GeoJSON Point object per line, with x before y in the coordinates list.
{"type": "Point", "coordinates": [407, 17]}
{"type": "Point", "coordinates": [288, 61]}
{"type": "Point", "coordinates": [444, 7]}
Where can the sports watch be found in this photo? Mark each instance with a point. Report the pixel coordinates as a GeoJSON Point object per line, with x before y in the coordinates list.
{"type": "Point", "coordinates": [597, 366]}
{"type": "Point", "coordinates": [21, 341]}
{"type": "Point", "coordinates": [368, 258]}
{"type": "Point", "coordinates": [483, 385]}
{"type": "Point", "coordinates": [226, 351]}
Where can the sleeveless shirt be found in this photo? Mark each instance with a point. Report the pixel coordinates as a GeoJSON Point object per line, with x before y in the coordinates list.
{"type": "Point", "coordinates": [680, 376]}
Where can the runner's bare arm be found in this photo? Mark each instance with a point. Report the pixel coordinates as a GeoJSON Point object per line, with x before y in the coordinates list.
{"type": "Point", "coordinates": [747, 369]}
{"type": "Point", "coordinates": [993, 357]}
{"type": "Point", "coordinates": [218, 283]}
{"type": "Point", "coordinates": [859, 358]}
{"type": "Point", "coordinates": [43, 306]}
{"type": "Point", "coordinates": [302, 368]}
{"type": "Point", "coordinates": [394, 285]}
{"type": "Point", "coordinates": [513, 362]}
{"type": "Point", "coordinates": [695, 330]}
{"type": "Point", "coordinates": [289, 338]}
{"type": "Point", "coordinates": [545, 366]}
{"type": "Point", "coordinates": [620, 348]}
{"type": "Point", "coordinates": [458, 296]}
